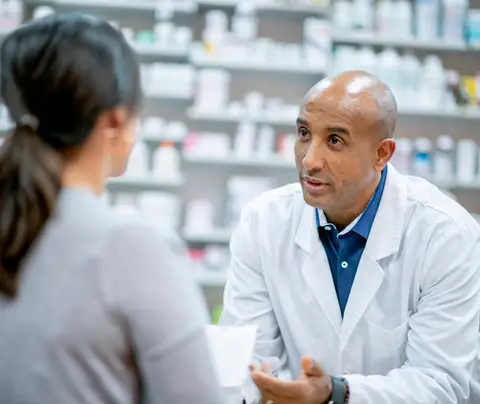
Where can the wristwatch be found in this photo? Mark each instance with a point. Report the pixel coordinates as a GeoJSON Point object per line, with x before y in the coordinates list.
{"type": "Point", "coordinates": [340, 391]}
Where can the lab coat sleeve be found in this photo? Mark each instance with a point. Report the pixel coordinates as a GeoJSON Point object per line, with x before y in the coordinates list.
{"type": "Point", "coordinates": [442, 340]}
{"type": "Point", "coordinates": [246, 297]}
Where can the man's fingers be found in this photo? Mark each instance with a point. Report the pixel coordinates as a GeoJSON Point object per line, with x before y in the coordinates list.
{"type": "Point", "coordinates": [269, 385]}
{"type": "Point", "coordinates": [311, 368]}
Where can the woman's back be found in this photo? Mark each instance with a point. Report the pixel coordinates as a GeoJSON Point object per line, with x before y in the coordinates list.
{"type": "Point", "coordinates": [101, 297]}
{"type": "Point", "coordinates": [93, 308]}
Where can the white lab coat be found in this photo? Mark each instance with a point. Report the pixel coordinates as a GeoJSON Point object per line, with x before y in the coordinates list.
{"type": "Point", "coordinates": [411, 326]}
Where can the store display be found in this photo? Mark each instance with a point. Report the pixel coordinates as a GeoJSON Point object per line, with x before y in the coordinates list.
{"type": "Point", "coordinates": [237, 124]}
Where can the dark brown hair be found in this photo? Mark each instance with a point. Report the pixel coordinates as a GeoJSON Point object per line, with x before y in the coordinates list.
{"type": "Point", "coordinates": [58, 74]}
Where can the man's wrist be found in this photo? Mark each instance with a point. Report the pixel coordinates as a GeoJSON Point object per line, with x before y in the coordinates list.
{"type": "Point", "coordinates": [340, 391]}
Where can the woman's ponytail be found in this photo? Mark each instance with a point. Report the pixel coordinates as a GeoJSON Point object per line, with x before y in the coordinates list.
{"type": "Point", "coordinates": [30, 180]}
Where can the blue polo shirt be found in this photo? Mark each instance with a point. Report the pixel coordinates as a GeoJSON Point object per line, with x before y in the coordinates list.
{"type": "Point", "coordinates": [344, 249]}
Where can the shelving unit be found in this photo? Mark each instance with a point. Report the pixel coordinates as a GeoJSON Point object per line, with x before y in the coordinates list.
{"type": "Point", "coordinates": [206, 177]}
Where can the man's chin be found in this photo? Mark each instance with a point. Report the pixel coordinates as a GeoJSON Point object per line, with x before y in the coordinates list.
{"type": "Point", "coordinates": [316, 201]}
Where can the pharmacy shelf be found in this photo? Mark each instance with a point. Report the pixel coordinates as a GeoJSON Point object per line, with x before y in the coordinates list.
{"type": "Point", "coordinates": [135, 184]}
{"type": "Point", "coordinates": [160, 96]}
{"type": "Point", "coordinates": [123, 5]}
{"type": "Point", "coordinates": [273, 8]}
{"type": "Point", "coordinates": [160, 53]}
{"type": "Point", "coordinates": [196, 115]}
{"type": "Point", "coordinates": [199, 59]}
{"type": "Point", "coordinates": [233, 161]}
{"type": "Point", "coordinates": [211, 278]}
{"type": "Point", "coordinates": [156, 139]}
{"type": "Point", "coordinates": [466, 114]}
{"type": "Point", "coordinates": [290, 121]}
{"type": "Point", "coordinates": [374, 39]}
{"type": "Point", "coordinates": [212, 236]}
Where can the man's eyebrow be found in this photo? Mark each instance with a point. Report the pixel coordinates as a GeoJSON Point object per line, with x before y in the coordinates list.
{"type": "Point", "coordinates": [302, 121]}
{"type": "Point", "coordinates": [338, 129]}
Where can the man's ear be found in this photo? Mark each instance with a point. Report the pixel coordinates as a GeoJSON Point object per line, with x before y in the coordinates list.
{"type": "Point", "coordinates": [385, 150]}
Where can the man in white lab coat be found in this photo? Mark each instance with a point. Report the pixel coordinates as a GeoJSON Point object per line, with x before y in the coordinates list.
{"type": "Point", "coordinates": [364, 283]}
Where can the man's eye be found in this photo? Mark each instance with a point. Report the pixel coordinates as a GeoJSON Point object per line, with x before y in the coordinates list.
{"type": "Point", "coordinates": [335, 140]}
{"type": "Point", "coordinates": [302, 132]}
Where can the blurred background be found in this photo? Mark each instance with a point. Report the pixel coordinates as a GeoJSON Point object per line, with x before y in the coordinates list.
{"type": "Point", "coordinates": [223, 81]}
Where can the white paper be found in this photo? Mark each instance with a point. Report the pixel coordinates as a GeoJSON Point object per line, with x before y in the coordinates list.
{"type": "Point", "coordinates": [232, 351]}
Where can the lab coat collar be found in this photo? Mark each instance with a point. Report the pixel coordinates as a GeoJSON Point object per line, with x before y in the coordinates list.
{"type": "Point", "coordinates": [385, 236]}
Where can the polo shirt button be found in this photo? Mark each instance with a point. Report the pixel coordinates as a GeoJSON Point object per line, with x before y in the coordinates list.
{"type": "Point", "coordinates": [344, 264]}
{"type": "Point", "coordinates": [328, 228]}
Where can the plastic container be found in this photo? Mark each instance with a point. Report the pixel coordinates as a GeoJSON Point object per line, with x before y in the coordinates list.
{"type": "Point", "coordinates": [422, 161]}
{"type": "Point", "coordinates": [245, 21]}
{"type": "Point", "coordinates": [367, 60]}
{"type": "Point", "coordinates": [385, 17]}
{"type": "Point", "coordinates": [402, 159]}
{"type": "Point", "coordinates": [454, 19]}
{"type": "Point", "coordinates": [213, 90]}
{"type": "Point", "coordinates": [402, 26]}
{"type": "Point", "coordinates": [444, 159]}
{"type": "Point", "coordinates": [427, 17]}
{"type": "Point", "coordinates": [389, 70]}
{"type": "Point", "coordinates": [411, 71]}
{"type": "Point", "coordinates": [467, 150]}
{"type": "Point", "coordinates": [362, 15]}
{"type": "Point", "coordinates": [433, 84]}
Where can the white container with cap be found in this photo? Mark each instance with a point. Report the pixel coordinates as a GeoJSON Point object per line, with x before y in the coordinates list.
{"type": "Point", "coordinates": [467, 150]}
{"type": "Point", "coordinates": [444, 159]}
{"type": "Point", "coordinates": [422, 162]}
{"type": "Point", "coordinates": [166, 163]}
{"type": "Point", "coordinates": [245, 21]}
{"type": "Point", "coordinates": [402, 158]}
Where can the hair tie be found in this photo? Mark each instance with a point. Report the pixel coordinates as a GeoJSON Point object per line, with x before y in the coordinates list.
{"type": "Point", "coordinates": [28, 121]}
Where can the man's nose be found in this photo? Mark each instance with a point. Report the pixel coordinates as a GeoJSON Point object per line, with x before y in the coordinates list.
{"type": "Point", "coordinates": [314, 159]}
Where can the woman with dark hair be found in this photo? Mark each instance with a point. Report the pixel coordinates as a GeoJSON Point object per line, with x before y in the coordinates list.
{"type": "Point", "coordinates": [93, 308]}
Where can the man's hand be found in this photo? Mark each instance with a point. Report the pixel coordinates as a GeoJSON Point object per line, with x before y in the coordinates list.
{"type": "Point", "coordinates": [312, 387]}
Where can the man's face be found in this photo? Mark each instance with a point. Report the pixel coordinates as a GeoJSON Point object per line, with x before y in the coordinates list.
{"type": "Point", "coordinates": [335, 150]}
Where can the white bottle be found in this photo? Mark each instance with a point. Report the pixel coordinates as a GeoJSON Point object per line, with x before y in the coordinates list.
{"type": "Point", "coordinates": [213, 90]}
{"type": "Point", "coordinates": [427, 16]}
{"type": "Point", "coordinates": [444, 159]}
{"type": "Point", "coordinates": [422, 162]}
{"type": "Point", "coordinates": [402, 158]}
{"type": "Point", "coordinates": [467, 150]}
{"type": "Point", "coordinates": [166, 163]}
{"type": "Point", "coordinates": [411, 68]}
{"type": "Point", "coordinates": [344, 59]}
{"type": "Point", "coordinates": [367, 60]}
{"type": "Point", "coordinates": [215, 31]}
{"type": "Point", "coordinates": [454, 16]}
{"type": "Point", "coordinates": [245, 140]}
{"type": "Point", "coordinates": [244, 21]}
{"type": "Point", "coordinates": [390, 70]}
{"type": "Point", "coordinates": [266, 142]}
{"type": "Point", "coordinates": [342, 16]}
{"type": "Point", "coordinates": [384, 17]}
{"type": "Point", "coordinates": [362, 15]}
{"type": "Point", "coordinates": [403, 19]}
{"type": "Point", "coordinates": [433, 84]}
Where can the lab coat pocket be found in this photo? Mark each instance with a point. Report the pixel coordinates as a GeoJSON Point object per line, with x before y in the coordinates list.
{"type": "Point", "coordinates": [386, 347]}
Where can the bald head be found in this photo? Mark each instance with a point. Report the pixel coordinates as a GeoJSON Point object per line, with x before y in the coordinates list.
{"type": "Point", "coordinates": [362, 91]}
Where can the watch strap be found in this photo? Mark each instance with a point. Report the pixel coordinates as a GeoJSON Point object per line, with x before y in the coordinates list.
{"type": "Point", "coordinates": [338, 391]}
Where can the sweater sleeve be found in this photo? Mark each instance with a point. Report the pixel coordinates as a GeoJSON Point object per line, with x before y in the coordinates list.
{"type": "Point", "coordinates": [152, 289]}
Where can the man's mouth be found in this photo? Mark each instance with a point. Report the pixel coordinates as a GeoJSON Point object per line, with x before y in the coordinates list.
{"type": "Point", "coordinates": [314, 184]}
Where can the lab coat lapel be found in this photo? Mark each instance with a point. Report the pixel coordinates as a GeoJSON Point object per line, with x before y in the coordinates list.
{"type": "Point", "coordinates": [384, 240]}
{"type": "Point", "coordinates": [316, 269]}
